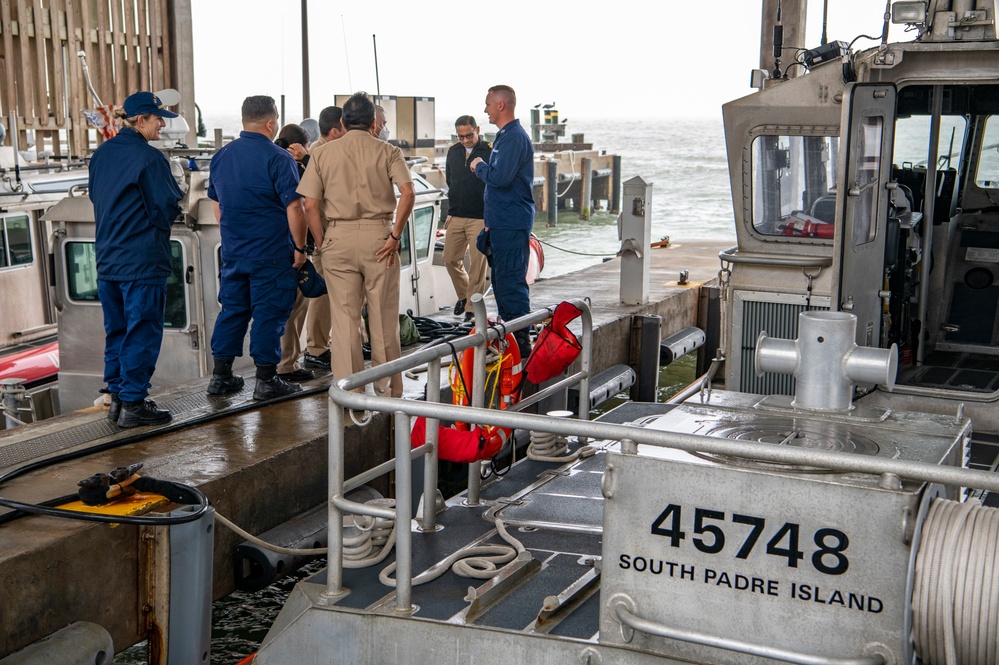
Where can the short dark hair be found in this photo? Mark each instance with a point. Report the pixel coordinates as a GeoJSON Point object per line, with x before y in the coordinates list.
{"type": "Point", "coordinates": [505, 91]}
{"type": "Point", "coordinates": [465, 120]}
{"type": "Point", "coordinates": [329, 118]}
{"type": "Point", "coordinates": [293, 134]}
{"type": "Point", "coordinates": [359, 111]}
{"type": "Point", "coordinates": [258, 108]}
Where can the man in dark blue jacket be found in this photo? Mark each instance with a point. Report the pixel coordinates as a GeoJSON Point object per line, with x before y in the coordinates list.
{"type": "Point", "coordinates": [509, 207]}
{"type": "Point", "coordinates": [262, 220]}
{"type": "Point", "coordinates": [135, 202]}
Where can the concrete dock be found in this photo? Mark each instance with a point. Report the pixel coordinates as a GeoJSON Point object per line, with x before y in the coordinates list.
{"type": "Point", "coordinates": [259, 467]}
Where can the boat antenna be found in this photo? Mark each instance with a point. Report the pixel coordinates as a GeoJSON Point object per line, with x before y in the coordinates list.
{"type": "Point", "coordinates": [306, 94]}
{"type": "Point", "coordinates": [346, 54]}
{"type": "Point", "coordinates": [378, 86]}
{"type": "Point", "coordinates": [86, 76]}
{"type": "Point", "coordinates": [884, 30]}
{"type": "Point", "coordinates": [778, 42]}
{"type": "Point", "coordinates": [825, 21]}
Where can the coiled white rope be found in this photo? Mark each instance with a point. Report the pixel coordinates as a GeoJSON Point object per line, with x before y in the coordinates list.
{"type": "Point", "coordinates": [548, 447]}
{"type": "Point", "coordinates": [479, 561]}
{"type": "Point", "coordinates": [368, 540]}
{"type": "Point", "coordinates": [955, 596]}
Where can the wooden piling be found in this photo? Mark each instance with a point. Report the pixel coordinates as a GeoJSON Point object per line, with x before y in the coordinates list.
{"type": "Point", "coordinates": [586, 188]}
{"type": "Point", "coordinates": [551, 189]}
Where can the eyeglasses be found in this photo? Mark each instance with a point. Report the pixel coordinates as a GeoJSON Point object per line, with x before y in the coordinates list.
{"type": "Point", "coordinates": [467, 137]}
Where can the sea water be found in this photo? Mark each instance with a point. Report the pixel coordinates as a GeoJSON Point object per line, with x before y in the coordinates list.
{"type": "Point", "coordinates": [684, 160]}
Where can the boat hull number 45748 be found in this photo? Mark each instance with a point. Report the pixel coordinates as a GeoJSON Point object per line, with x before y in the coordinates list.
{"type": "Point", "coordinates": [709, 536]}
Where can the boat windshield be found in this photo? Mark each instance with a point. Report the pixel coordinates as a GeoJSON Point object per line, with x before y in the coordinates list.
{"type": "Point", "coordinates": [794, 185]}
{"type": "Point", "coordinates": [988, 164]}
{"type": "Point", "coordinates": [81, 280]}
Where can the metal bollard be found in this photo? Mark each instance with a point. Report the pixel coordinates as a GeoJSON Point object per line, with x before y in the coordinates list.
{"type": "Point", "coordinates": [826, 361]}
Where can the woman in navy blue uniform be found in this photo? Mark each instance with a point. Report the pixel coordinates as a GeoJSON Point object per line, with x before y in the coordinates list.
{"type": "Point", "coordinates": [135, 202]}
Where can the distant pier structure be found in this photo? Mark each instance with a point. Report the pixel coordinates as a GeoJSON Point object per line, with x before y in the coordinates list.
{"type": "Point", "coordinates": [571, 175]}
{"type": "Point", "coordinates": [568, 175]}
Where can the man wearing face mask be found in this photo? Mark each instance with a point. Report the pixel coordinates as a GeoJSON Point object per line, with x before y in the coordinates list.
{"type": "Point", "coordinates": [262, 221]}
{"type": "Point", "coordinates": [380, 129]}
{"type": "Point", "coordinates": [465, 213]}
{"type": "Point", "coordinates": [135, 203]}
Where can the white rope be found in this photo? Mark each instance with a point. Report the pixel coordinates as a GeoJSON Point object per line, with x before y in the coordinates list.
{"type": "Point", "coordinates": [368, 540]}
{"type": "Point", "coordinates": [315, 551]}
{"type": "Point", "coordinates": [955, 596]}
{"type": "Point", "coordinates": [478, 562]}
{"type": "Point", "coordinates": [548, 447]}
{"type": "Point", "coordinates": [572, 167]}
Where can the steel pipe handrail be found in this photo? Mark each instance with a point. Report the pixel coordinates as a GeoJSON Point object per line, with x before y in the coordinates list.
{"type": "Point", "coordinates": [355, 508]}
{"type": "Point", "coordinates": [834, 461]}
{"type": "Point", "coordinates": [405, 454]}
{"type": "Point", "coordinates": [627, 617]}
{"type": "Point", "coordinates": [365, 477]}
{"type": "Point", "coordinates": [732, 255]}
{"type": "Point", "coordinates": [438, 351]}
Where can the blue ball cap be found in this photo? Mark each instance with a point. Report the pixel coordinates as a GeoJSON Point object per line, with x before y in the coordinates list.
{"type": "Point", "coordinates": [144, 102]}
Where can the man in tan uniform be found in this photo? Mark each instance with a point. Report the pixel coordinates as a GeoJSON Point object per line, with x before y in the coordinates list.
{"type": "Point", "coordinates": [350, 183]}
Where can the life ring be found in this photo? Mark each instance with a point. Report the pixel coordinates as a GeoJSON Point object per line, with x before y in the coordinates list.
{"type": "Point", "coordinates": [535, 259]}
{"type": "Point", "coordinates": [503, 379]}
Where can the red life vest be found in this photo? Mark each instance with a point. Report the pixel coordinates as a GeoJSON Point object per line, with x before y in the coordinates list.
{"type": "Point", "coordinates": [556, 347]}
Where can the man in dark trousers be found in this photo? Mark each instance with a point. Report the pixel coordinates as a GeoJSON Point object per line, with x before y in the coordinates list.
{"type": "Point", "coordinates": [135, 202]}
{"type": "Point", "coordinates": [262, 220]}
{"type": "Point", "coordinates": [509, 207]}
{"type": "Point", "coordinates": [465, 216]}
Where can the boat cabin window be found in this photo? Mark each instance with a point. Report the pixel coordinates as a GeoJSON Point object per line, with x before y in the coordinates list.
{"type": "Point", "coordinates": [81, 280]}
{"type": "Point", "coordinates": [988, 164]}
{"type": "Point", "coordinates": [15, 242]}
{"type": "Point", "coordinates": [868, 171]}
{"type": "Point", "coordinates": [912, 139]}
{"type": "Point", "coordinates": [423, 221]}
{"type": "Point", "coordinates": [794, 185]}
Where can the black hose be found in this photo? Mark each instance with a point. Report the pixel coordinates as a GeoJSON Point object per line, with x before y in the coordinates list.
{"type": "Point", "coordinates": [21, 509]}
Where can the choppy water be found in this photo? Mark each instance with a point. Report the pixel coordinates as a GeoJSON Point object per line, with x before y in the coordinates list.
{"type": "Point", "coordinates": [684, 159]}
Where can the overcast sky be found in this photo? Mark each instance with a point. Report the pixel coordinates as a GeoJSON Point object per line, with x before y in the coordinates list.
{"type": "Point", "coordinates": [617, 58]}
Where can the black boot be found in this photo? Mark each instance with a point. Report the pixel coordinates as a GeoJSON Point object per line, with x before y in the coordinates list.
{"type": "Point", "coordinates": [145, 412]}
{"type": "Point", "coordinates": [523, 338]}
{"type": "Point", "coordinates": [223, 380]}
{"type": "Point", "coordinates": [115, 410]}
{"type": "Point", "coordinates": [270, 385]}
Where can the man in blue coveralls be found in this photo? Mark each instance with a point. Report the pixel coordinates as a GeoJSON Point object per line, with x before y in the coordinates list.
{"type": "Point", "coordinates": [509, 207]}
{"type": "Point", "coordinates": [262, 219]}
{"type": "Point", "coordinates": [135, 202]}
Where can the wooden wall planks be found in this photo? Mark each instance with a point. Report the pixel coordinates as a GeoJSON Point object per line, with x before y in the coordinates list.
{"type": "Point", "coordinates": [128, 46]}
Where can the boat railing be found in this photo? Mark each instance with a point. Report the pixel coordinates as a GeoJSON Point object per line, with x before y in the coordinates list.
{"type": "Point", "coordinates": [344, 398]}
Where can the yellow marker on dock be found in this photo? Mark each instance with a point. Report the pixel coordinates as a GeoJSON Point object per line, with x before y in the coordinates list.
{"type": "Point", "coordinates": [135, 504]}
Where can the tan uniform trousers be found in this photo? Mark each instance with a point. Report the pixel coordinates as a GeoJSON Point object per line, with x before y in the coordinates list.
{"type": "Point", "coordinates": [291, 340]}
{"type": "Point", "coordinates": [317, 318]}
{"type": "Point", "coordinates": [461, 234]}
{"type": "Point", "coordinates": [353, 275]}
